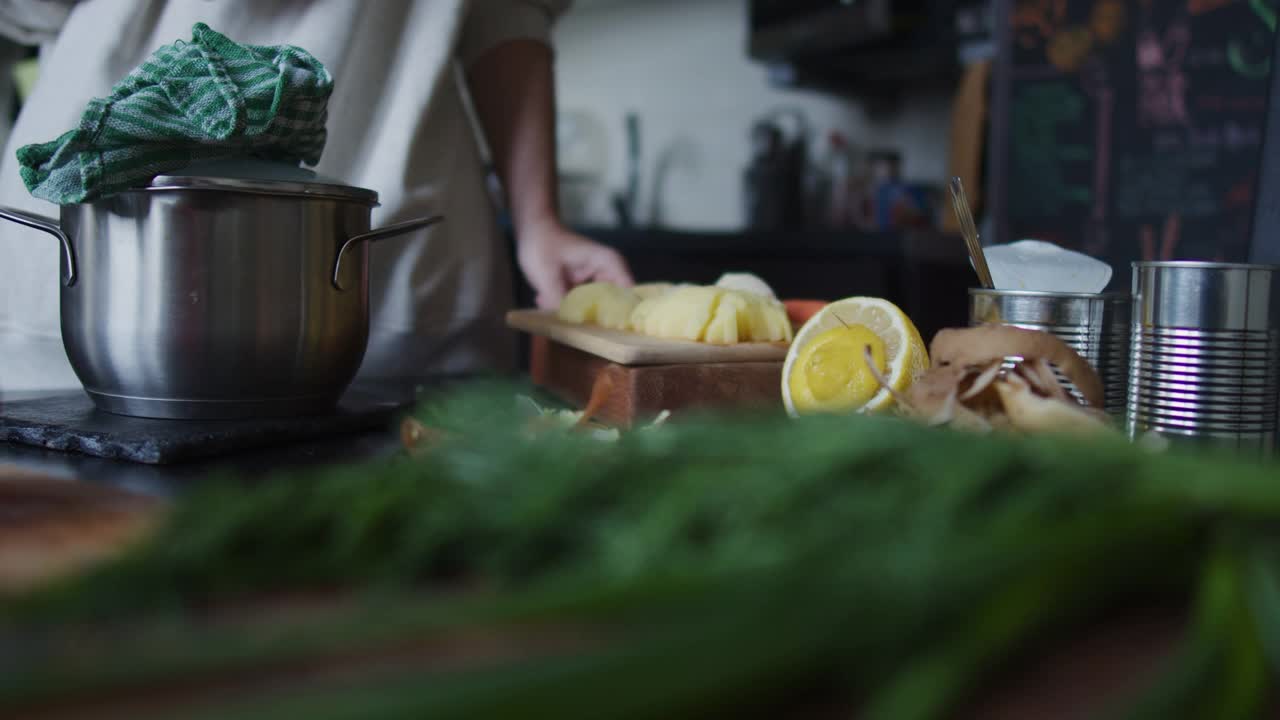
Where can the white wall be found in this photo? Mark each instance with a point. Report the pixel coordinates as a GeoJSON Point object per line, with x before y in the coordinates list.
{"type": "Point", "coordinates": [682, 64]}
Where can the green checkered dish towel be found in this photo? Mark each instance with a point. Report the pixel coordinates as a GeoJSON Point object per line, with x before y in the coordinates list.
{"type": "Point", "coordinates": [201, 100]}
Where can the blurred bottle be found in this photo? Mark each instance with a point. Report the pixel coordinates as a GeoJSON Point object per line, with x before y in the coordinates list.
{"type": "Point", "coordinates": [894, 203]}
{"type": "Point", "coordinates": [764, 181]}
{"type": "Point", "coordinates": [839, 167]}
{"type": "Point", "coordinates": [886, 179]}
{"type": "Point", "coordinates": [817, 192]}
{"type": "Point", "coordinates": [847, 181]}
{"type": "Point", "coordinates": [776, 179]}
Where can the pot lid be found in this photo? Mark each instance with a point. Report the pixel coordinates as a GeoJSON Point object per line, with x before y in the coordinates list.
{"type": "Point", "coordinates": [249, 175]}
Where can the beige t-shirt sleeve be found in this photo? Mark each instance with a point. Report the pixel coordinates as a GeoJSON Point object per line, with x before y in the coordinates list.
{"type": "Point", "coordinates": [490, 23]}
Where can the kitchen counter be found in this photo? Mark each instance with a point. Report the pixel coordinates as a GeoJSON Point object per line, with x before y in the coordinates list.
{"type": "Point", "coordinates": [167, 479]}
{"type": "Point", "coordinates": [250, 464]}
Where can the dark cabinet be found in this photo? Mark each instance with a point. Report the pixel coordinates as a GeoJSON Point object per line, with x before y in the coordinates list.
{"type": "Point", "coordinates": [860, 47]}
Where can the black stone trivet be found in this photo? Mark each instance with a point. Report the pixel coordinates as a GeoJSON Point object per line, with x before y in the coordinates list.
{"type": "Point", "coordinates": [69, 422]}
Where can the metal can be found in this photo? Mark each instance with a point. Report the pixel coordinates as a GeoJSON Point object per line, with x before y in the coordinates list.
{"type": "Point", "coordinates": [1096, 325]}
{"type": "Point", "coordinates": [1206, 353]}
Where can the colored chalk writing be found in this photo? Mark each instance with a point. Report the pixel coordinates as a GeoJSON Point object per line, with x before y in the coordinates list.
{"type": "Point", "coordinates": [1135, 127]}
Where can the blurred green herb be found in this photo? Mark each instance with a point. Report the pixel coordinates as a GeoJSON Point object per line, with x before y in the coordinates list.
{"type": "Point", "coordinates": [714, 565]}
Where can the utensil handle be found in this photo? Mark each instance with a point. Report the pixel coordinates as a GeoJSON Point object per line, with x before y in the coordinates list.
{"type": "Point", "coordinates": [51, 226]}
{"type": "Point", "coordinates": [380, 234]}
{"type": "Point", "coordinates": [969, 231]}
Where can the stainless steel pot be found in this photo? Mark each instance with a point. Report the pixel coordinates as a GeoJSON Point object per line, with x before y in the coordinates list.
{"type": "Point", "coordinates": [218, 292]}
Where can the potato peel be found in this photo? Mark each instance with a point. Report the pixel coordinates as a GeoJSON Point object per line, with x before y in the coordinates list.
{"type": "Point", "coordinates": [976, 384]}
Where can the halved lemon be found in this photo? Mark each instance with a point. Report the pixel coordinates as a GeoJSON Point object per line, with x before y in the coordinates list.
{"type": "Point", "coordinates": [826, 368]}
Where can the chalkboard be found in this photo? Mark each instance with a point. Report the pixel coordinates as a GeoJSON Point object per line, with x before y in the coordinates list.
{"type": "Point", "coordinates": [1132, 129]}
{"type": "Point", "coordinates": [1264, 246]}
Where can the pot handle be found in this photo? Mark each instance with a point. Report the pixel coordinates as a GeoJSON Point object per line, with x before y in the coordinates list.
{"type": "Point", "coordinates": [49, 225]}
{"type": "Point", "coordinates": [380, 234]}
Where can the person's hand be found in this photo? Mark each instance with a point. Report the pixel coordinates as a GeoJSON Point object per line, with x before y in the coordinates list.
{"type": "Point", "coordinates": [555, 259]}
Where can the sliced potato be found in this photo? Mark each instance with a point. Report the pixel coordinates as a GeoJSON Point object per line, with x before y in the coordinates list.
{"type": "Point", "coordinates": [599, 303]}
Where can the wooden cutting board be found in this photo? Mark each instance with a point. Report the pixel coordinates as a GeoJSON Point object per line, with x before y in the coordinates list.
{"type": "Point", "coordinates": [627, 348]}
{"type": "Point", "coordinates": [636, 394]}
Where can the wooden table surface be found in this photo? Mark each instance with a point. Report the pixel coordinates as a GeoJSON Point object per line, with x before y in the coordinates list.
{"type": "Point", "coordinates": [52, 526]}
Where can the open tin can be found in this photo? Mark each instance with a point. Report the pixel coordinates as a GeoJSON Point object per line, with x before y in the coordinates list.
{"type": "Point", "coordinates": [1096, 325]}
